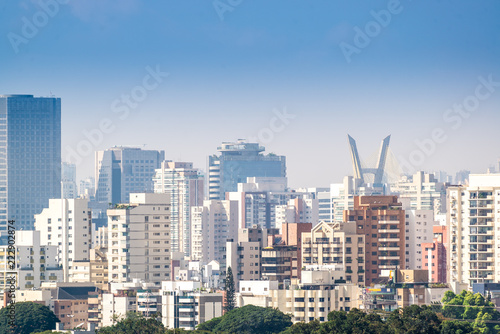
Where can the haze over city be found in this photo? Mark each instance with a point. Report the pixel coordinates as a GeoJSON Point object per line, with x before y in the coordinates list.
{"type": "Point", "coordinates": [229, 71]}
{"type": "Point", "coordinates": [249, 166]}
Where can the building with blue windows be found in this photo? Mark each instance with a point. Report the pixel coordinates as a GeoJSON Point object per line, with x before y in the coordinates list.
{"type": "Point", "coordinates": [30, 157]}
{"type": "Point", "coordinates": [122, 170]}
{"type": "Point", "coordinates": [236, 162]}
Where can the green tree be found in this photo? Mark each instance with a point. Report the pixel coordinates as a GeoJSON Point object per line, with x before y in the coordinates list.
{"type": "Point", "coordinates": [230, 291]}
{"type": "Point", "coordinates": [134, 324]}
{"type": "Point", "coordinates": [414, 319]}
{"type": "Point", "coordinates": [469, 306]}
{"type": "Point", "coordinates": [354, 321]}
{"type": "Point", "coordinates": [249, 319]}
{"type": "Point", "coordinates": [304, 328]}
{"type": "Point", "coordinates": [29, 317]}
{"type": "Point", "coordinates": [457, 327]}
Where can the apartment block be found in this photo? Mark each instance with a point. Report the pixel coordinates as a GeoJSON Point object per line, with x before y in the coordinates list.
{"type": "Point", "coordinates": [313, 298]}
{"type": "Point", "coordinates": [136, 296]}
{"type": "Point", "coordinates": [418, 230]}
{"type": "Point", "coordinates": [244, 255]}
{"type": "Point", "coordinates": [302, 209]}
{"type": "Point", "coordinates": [212, 224]}
{"type": "Point", "coordinates": [423, 190]}
{"type": "Point", "coordinates": [183, 307]}
{"type": "Point", "coordinates": [71, 304]}
{"type": "Point", "coordinates": [185, 185]}
{"type": "Point", "coordinates": [257, 200]}
{"type": "Point", "coordinates": [473, 215]}
{"type": "Point", "coordinates": [381, 220]}
{"type": "Point", "coordinates": [66, 223]}
{"type": "Point", "coordinates": [334, 244]}
{"type": "Point", "coordinates": [434, 255]}
{"type": "Point", "coordinates": [139, 239]}
{"type": "Point", "coordinates": [279, 263]}
{"type": "Point", "coordinates": [35, 263]}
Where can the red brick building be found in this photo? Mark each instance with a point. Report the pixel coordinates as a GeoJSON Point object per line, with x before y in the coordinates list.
{"type": "Point", "coordinates": [381, 220]}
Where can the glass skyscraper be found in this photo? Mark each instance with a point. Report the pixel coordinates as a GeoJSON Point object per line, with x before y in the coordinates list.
{"type": "Point", "coordinates": [238, 161]}
{"type": "Point", "coordinates": [30, 157]}
{"type": "Point", "coordinates": [122, 170]}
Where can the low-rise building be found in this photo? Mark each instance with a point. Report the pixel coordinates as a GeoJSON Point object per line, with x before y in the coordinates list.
{"type": "Point", "coordinates": [34, 263]}
{"type": "Point", "coordinates": [136, 296]}
{"type": "Point", "coordinates": [70, 303]}
{"type": "Point", "coordinates": [183, 307]}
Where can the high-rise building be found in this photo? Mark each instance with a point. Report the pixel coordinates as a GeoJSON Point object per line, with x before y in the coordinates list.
{"type": "Point", "coordinates": [474, 239]}
{"type": "Point", "coordinates": [212, 224]}
{"type": "Point", "coordinates": [67, 223]}
{"type": "Point", "coordinates": [257, 200]}
{"type": "Point", "coordinates": [342, 198]}
{"type": "Point", "coordinates": [298, 210]}
{"type": "Point", "coordinates": [462, 177]}
{"type": "Point", "coordinates": [238, 161]}
{"type": "Point", "coordinates": [244, 255]}
{"type": "Point", "coordinates": [120, 171]}
{"type": "Point", "coordinates": [68, 179]}
{"type": "Point", "coordinates": [337, 246]}
{"type": "Point", "coordinates": [423, 190]}
{"type": "Point", "coordinates": [185, 185]}
{"type": "Point", "coordinates": [381, 220]}
{"type": "Point", "coordinates": [30, 157]}
{"type": "Point", "coordinates": [434, 255]}
{"type": "Point", "coordinates": [87, 188]}
{"type": "Point", "coordinates": [419, 230]}
{"type": "Point", "coordinates": [139, 239]}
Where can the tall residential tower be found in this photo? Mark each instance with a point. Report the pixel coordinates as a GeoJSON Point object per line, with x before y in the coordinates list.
{"type": "Point", "coordinates": [185, 185]}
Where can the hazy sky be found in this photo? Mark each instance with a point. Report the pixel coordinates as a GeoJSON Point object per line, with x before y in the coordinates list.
{"type": "Point", "coordinates": [367, 68]}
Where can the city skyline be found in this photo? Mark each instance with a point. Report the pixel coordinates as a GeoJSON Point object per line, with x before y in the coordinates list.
{"type": "Point", "coordinates": [260, 59]}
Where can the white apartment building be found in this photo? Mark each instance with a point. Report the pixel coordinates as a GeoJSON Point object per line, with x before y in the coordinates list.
{"type": "Point", "coordinates": [419, 230]}
{"type": "Point", "coordinates": [139, 239]}
{"type": "Point", "coordinates": [212, 224]}
{"type": "Point", "coordinates": [99, 236]}
{"type": "Point", "coordinates": [298, 210]}
{"type": "Point", "coordinates": [35, 263]}
{"type": "Point", "coordinates": [136, 296]}
{"type": "Point", "coordinates": [257, 200]}
{"type": "Point", "coordinates": [185, 185]}
{"type": "Point", "coordinates": [474, 242]}
{"type": "Point", "coordinates": [66, 223]}
{"type": "Point", "coordinates": [184, 308]}
{"type": "Point", "coordinates": [306, 301]}
{"type": "Point", "coordinates": [424, 191]}
{"type": "Point", "coordinates": [341, 198]}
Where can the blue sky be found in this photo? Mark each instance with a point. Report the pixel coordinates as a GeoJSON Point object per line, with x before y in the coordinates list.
{"type": "Point", "coordinates": [228, 77]}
